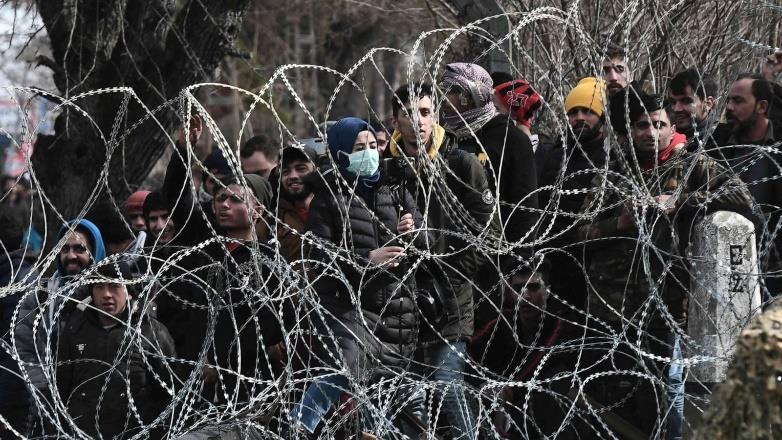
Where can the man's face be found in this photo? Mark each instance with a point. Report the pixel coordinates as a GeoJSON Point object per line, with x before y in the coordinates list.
{"type": "Point", "coordinates": [234, 207]}
{"type": "Point", "coordinates": [687, 106]}
{"type": "Point", "coordinates": [585, 123]}
{"type": "Point", "coordinates": [616, 75]}
{"type": "Point", "coordinates": [382, 141]}
{"type": "Point", "coordinates": [110, 298]}
{"type": "Point", "coordinates": [258, 164]}
{"type": "Point", "coordinates": [292, 179]}
{"type": "Point", "coordinates": [652, 132]}
{"type": "Point", "coordinates": [530, 292]}
{"type": "Point", "coordinates": [136, 220]}
{"type": "Point", "coordinates": [75, 253]}
{"type": "Point", "coordinates": [742, 109]}
{"type": "Point", "coordinates": [161, 227]}
{"type": "Point", "coordinates": [410, 132]}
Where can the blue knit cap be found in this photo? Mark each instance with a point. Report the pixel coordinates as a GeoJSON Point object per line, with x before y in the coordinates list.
{"type": "Point", "coordinates": [341, 137]}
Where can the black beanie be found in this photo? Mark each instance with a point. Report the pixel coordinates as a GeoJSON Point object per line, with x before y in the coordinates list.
{"type": "Point", "coordinates": [154, 202]}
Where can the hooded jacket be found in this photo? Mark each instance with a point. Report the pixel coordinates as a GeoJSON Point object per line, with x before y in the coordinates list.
{"type": "Point", "coordinates": [454, 192]}
{"type": "Point", "coordinates": [98, 365]}
{"type": "Point", "coordinates": [44, 311]}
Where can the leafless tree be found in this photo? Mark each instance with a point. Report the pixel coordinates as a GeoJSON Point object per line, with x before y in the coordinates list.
{"type": "Point", "coordinates": [155, 47]}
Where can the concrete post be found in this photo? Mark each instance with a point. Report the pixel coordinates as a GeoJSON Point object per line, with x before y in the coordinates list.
{"type": "Point", "coordinates": [724, 291]}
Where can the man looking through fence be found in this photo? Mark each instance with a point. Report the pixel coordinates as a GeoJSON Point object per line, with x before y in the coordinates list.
{"type": "Point", "coordinates": [448, 176]}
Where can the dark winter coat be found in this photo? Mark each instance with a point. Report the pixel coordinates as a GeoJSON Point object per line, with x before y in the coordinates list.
{"type": "Point", "coordinates": [619, 276]}
{"type": "Point", "coordinates": [16, 269]}
{"type": "Point", "coordinates": [568, 168]}
{"type": "Point", "coordinates": [219, 287]}
{"type": "Point", "coordinates": [194, 221]}
{"type": "Point", "coordinates": [511, 173]}
{"type": "Point", "coordinates": [761, 171]}
{"type": "Point", "coordinates": [506, 354]}
{"type": "Point", "coordinates": [349, 225]}
{"type": "Point", "coordinates": [455, 193]}
{"type": "Point", "coordinates": [98, 366]}
{"type": "Point", "coordinates": [231, 287]}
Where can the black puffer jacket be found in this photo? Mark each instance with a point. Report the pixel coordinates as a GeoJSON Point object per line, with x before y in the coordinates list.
{"type": "Point", "coordinates": [89, 384]}
{"type": "Point", "coordinates": [349, 225]}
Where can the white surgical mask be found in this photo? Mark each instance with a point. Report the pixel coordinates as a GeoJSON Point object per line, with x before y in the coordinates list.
{"type": "Point", "coordinates": [364, 162]}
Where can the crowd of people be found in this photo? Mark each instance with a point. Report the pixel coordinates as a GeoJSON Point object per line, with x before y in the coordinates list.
{"type": "Point", "coordinates": [450, 271]}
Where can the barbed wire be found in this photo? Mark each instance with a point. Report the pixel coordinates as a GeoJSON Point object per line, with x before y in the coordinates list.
{"type": "Point", "coordinates": [256, 397]}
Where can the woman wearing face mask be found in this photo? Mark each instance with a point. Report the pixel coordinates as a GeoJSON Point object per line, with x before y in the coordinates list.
{"type": "Point", "coordinates": [360, 265]}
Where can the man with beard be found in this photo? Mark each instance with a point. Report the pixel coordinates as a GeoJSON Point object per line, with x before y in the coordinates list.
{"type": "Point", "coordinates": [691, 97]}
{"type": "Point", "coordinates": [294, 201]}
{"type": "Point", "coordinates": [44, 312]}
{"type": "Point", "coordinates": [751, 100]}
{"type": "Point", "coordinates": [616, 74]}
{"type": "Point", "coordinates": [583, 154]}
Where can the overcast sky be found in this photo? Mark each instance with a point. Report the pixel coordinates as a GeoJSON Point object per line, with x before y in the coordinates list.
{"type": "Point", "coordinates": [17, 25]}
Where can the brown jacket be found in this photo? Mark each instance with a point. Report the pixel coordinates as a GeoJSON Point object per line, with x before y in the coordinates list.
{"type": "Point", "coordinates": [290, 227]}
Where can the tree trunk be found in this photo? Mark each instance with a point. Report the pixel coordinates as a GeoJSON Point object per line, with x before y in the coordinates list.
{"type": "Point", "coordinates": [471, 10]}
{"type": "Point", "coordinates": [150, 46]}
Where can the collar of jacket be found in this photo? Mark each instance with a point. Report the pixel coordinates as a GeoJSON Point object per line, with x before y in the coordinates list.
{"type": "Point", "coordinates": [438, 136]}
{"type": "Point", "coordinates": [703, 128]}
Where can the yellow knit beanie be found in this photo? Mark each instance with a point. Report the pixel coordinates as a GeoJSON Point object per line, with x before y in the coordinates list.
{"type": "Point", "coordinates": [588, 94]}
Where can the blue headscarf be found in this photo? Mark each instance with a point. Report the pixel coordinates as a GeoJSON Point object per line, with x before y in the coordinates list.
{"type": "Point", "coordinates": [340, 138]}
